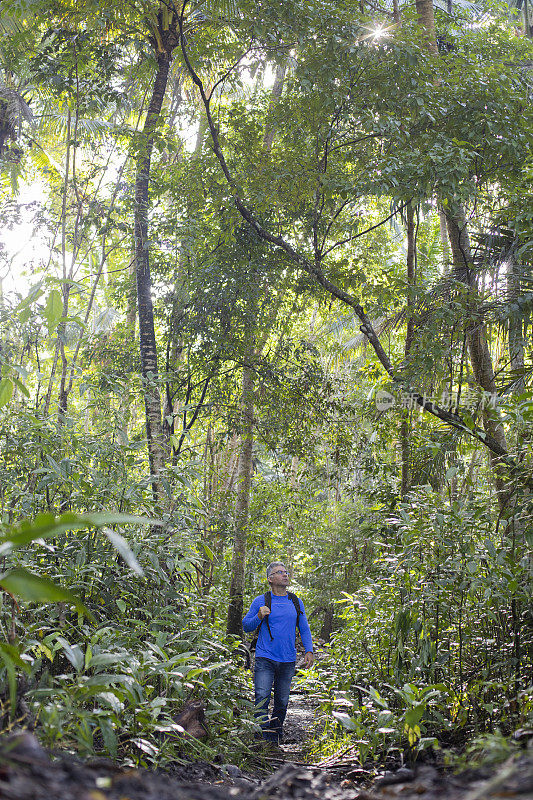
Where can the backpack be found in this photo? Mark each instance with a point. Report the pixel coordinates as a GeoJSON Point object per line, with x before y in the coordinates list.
{"type": "Point", "coordinates": [268, 603]}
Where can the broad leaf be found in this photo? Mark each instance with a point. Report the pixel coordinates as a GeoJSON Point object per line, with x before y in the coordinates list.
{"type": "Point", "coordinates": [123, 548]}
{"type": "Point", "coordinates": [35, 589]}
{"type": "Point", "coordinates": [73, 652]}
{"type": "Point", "coordinates": [6, 391]}
{"type": "Point", "coordinates": [46, 526]}
{"type": "Point", "coordinates": [53, 310]}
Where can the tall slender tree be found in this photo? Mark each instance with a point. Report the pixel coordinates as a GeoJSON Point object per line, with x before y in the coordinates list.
{"type": "Point", "coordinates": [164, 40]}
{"type": "Point", "coordinates": [409, 336]}
{"type": "Point", "coordinates": [247, 406]}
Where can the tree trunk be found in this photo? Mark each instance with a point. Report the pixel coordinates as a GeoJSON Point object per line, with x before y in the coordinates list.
{"type": "Point", "coordinates": [63, 389]}
{"type": "Point", "coordinates": [244, 477]}
{"type": "Point", "coordinates": [242, 503]}
{"type": "Point", "coordinates": [327, 626]}
{"type": "Point", "coordinates": [147, 341]}
{"type": "Point", "coordinates": [176, 347]}
{"type": "Point", "coordinates": [478, 347]}
{"type": "Point", "coordinates": [396, 12]}
{"type": "Point", "coordinates": [444, 240]}
{"type": "Point", "coordinates": [426, 20]}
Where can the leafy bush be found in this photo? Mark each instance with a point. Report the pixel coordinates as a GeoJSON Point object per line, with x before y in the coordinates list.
{"type": "Point", "coordinates": [439, 627]}
{"type": "Point", "coordinates": [125, 644]}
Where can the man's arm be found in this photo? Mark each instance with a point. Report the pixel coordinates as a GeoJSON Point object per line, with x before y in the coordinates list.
{"type": "Point", "coordinates": [251, 620]}
{"type": "Point", "coordinates": [307, 639]}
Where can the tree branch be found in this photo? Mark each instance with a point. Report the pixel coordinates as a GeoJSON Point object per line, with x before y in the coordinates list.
{"type": "Point", "coordinates": [367, 230]}
{"type": "Point", "coordinates": [312, 269]}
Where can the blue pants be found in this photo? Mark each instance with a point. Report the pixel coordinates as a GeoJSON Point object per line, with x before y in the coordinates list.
{"type": "Point", "coordinates": [278, 675]}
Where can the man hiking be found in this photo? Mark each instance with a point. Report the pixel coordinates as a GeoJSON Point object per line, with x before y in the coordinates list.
{"type": "Point", "coordinates": [277, 613]}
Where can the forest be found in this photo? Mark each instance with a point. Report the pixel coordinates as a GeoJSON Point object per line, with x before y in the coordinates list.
{"type": "Point", "coordinates": [266, 294]}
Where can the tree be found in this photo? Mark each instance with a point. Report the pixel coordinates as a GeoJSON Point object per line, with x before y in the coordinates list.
{"type": "Point", "coordinates": [164, 41]}
{"type": "Point", "coordinates": [254, 346]}
{"type": "Point", "coordinates": [315, 269]}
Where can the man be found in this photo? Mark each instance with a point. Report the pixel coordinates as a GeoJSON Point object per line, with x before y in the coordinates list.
{"type": "Point", "coordinates": [275, 652]}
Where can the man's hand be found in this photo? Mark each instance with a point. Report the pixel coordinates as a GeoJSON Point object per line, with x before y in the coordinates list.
{"type": "Point", "coordinates": [263, 612]}
{"type": "Point", "coordinates": [309, 659]}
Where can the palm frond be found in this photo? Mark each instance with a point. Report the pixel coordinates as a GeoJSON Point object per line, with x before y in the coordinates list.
{"type": "Point", "coordinates": [430, 459]}
{"type": "Point", "coordinates": [356, 342]}
{"type": "Point", "coordinates": [57, 121]}
{"type": "Point", "coordinates": [44, 161]}
{"type": "Point", "coordinates": [339, 325]}
{"type": "Point", "coordinates": [219, 9]}
{"type": "Point", "coordinates": [9, 24]}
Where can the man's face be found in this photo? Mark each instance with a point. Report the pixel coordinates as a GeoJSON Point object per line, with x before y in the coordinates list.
{"type": "Point", "coordinates": [279, 576]}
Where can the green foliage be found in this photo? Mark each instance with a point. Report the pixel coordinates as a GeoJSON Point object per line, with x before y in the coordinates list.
{"type": "Point", "coordinates": [116, 685]}
{"type": "Point", "coordinates": [441, 612]}
{"type": "Point", "coordinates": [125, 687]}
{"type": "Point", "coordinates": [417, 573]}
{"type": "Point", "coordinates": [37, 588]}
{"type": "Point", "coordinates": [382, 725]}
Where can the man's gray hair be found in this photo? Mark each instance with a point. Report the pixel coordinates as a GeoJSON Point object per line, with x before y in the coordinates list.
{"type": "Point", "coordinates": [272, 566]}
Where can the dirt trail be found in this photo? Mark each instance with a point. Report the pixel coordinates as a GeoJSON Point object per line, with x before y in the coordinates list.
{"type": "Point", "coordinates": [27, 772]}
{"type": "Point", "coordinates": [295, 776]}
{"type": "Point", "coordinates": [299, 727]}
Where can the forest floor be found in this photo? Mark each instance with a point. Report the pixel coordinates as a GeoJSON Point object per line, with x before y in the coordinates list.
{"type": "Point", "coordinates": [28, 772]}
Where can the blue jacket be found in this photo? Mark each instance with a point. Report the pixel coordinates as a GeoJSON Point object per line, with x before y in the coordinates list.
{"type": "Point", "coordinates": [282, 619]}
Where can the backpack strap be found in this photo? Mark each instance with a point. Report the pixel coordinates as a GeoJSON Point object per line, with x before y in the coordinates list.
{"type": "Point", "coordinates": [297, 606]}
{"type": "Point", "coordinates": [268, 603]}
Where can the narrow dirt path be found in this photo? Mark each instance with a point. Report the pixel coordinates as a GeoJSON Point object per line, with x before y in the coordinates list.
{"type": "Point", "coordinates": [294, 775]}
{"type": "Point", "coordinates": [300, 725]}
{"type": "Point", "coordinates": [27, 772]}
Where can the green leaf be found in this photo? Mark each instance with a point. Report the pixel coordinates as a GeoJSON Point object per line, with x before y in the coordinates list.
{"type": "Point", "coordinates": [491, 549]}
{"type": "Point", "coordinates": [345, 720]}
{"type": "Point", "coordinates": [123, 548]}
{"type": "Point", "coordinates": [46, 526]}
{"type": "Point", "coordinates": [11, 658]}
{"type": "Point", "coordinates": [110, 699]}
{"type": "Point", "coordinates": [104, 659]}
{"type": "Point", "coordinates": [53, 310]}
{"type": "Point", "coordinates": [196, 671]}
{"type": "Point", "coordinates": [209, 553]}
{"type": "Point", "coordinates": [414, 715]}
{"type": "Point", "coordinates": [33, 295]}
{"type": "Point", "coordinates": [427, 741]}
{"type": "Point", "coordinates": [35, 589]}
{"type": "Point", "coordinates": [73, 652]}
{"type": "Point", "coordinates": [21, 387]}
{"type": "Point", "coordinates": [6, 391]}
{"type": "Point", "coordinates": [109, 736]}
